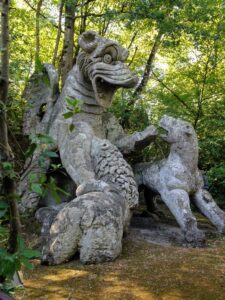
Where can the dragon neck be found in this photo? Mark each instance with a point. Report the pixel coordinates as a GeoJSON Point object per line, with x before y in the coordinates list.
{"type": "Point", "coordinates": [79, 88]}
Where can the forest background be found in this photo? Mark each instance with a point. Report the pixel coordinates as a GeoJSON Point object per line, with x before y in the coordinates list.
{"type": "Point", "coordinates": [176, 48]}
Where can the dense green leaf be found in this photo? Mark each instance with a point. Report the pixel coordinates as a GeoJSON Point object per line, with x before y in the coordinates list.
{"type": "Point", "coordinates": [3, 212]}
{"type": "Point", "coordinates": [36, 188]}
{"type": "Point", "coordinates": [68, 115]}
{"type": "Point", "coordinates": [30, 150]}
{"type": "Point", "coordinates": [26, 263]}
{"type": "Point", "coordinates": [44, 138]}
{"type": "Point", "coordinates": [28, 253]}
{"type": "Point", "coordinates": [3, 205]}
{"type": "Point", "coordinates": [21, 243]}
{"type": "Point", "coordinates": [3, 231]}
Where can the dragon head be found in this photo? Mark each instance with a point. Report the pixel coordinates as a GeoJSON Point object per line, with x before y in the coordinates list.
{"type": "Point", "coordinates": [101, 62]}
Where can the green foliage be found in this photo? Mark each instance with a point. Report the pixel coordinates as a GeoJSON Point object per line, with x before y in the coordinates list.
{"type": "Point", "coordinates": [55, 191]}
{"type": "Point", "coordinates": [40, 142]}
{"type": "Point", "coordinates": [10, 263]}
{"type": "Point", "coordinates": [130, 117]}
{"type": "Point", "coordinates": [39, 68]}
{"type": "Point", "coordinates": [217, 183]}
{"type": "Point", "coordinates": [73, 108]}
{"type": "Point", "coordinates": [211, 151]}
{"type": "Point", "coordinates": [4, 206]}
{"type": "Point", "coordinates": [7, 170]}
{"type": "Point", "coordinates": [188, 71]}
{"type": "Point", "coordinates": [40, 183]}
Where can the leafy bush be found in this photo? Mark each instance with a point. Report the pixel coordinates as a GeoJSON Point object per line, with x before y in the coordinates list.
{"type": "Point", "coordinates": [211, 151]}
{"type": "Point", "coordinates": [11, 262]}
{"type": "Point", "coordinates": [39, 183]}
{"type": "Point", "coordinates": [131, 117]}
{"type": "Point", "coordinates": [217, 183]}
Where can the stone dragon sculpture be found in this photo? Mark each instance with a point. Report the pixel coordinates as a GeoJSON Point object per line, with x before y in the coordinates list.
{"type": "Point", "coordinates": [178, 180]}
{"type": "Point", "coordinates": [93, 223]}
{"type": "Point", "coordinates": [103, 187]}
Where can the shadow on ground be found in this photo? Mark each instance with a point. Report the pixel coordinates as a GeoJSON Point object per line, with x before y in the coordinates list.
{"type": "Point", "coordinates": [145, 270]}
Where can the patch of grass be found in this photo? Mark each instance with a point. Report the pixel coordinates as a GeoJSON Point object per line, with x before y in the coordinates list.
{"type": "Point", "coordinates": [143, 271]}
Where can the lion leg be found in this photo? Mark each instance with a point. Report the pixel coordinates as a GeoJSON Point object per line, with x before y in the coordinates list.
{"type": "Point", "coordinates": [178, 202]}
{"type": "Point", "coordinates": [204, 201]}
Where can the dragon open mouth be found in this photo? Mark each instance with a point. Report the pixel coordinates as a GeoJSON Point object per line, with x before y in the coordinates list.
{"type": "Point", "coordinates": [106, 82]}
{"type": "Point", "coordinates": [104, 91]}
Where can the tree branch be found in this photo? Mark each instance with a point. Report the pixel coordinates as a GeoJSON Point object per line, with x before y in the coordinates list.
{"type": "Point", "coordinates": [201, 92]}
{"type": "Point", "coordinates": [41, 14]}
{"type": "Point", "coordinates": [148, 68]}
{"type": "Point", "coordinates": [62, 2]}
{"type": "Point", "coordinates": [173, 93]}
{"type": "Point", "coordinates": [132, 59]}
{"type": "Point", "coordinates": [8, 189]}
{"type": "Point", "coordinates": [37, 33]}
{"type": "Point", "coordinates": [87, 2]}
{"type": "Point", "coordinates": [132, 39]}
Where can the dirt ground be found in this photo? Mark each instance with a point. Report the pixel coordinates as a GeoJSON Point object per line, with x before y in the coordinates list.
{"type": "Point", "coordinates": [143, 271]}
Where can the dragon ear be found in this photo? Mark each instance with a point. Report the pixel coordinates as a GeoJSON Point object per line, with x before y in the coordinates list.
{"type": "Point", "coordinates": [88, 40]}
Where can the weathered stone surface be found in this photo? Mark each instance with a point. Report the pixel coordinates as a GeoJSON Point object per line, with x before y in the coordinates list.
{"type": "Point", "coordinates": [45, 216]}
{"type": "Point", "coordinates": [41, 93]}
{"type": "Point", "coordinates": [30, 200]}
{"type": "Point", "coordinates": [114, 190]}
{"type": "Point", "coordinates": [137, 141]}
{"type": "Point", "coordinates": [178, 178]}
{"type": "Point", "coordinates": [110, 166]}
{"type": "Point", "coordinates": [91, 224]}
{"type": "Point", "coordinates": [106, 189]}
{"type": "Point", "coordinates": [93, 81]}
{"type": "Point", "coordinates": [113, 130]}
{"type": "Point", "coordinates": [210, 209]}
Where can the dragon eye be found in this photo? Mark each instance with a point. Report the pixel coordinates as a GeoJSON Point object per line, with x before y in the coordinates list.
{"type": "Point", "coordinates": [107, 58]}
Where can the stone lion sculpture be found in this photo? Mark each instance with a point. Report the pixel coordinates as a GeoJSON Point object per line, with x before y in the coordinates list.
{"type": "Point", "coordinates": [178, 180]}
{"type": "Point", "coordinates": [92, 223]}
{"type": "Point", "coordinates": [102, 185]}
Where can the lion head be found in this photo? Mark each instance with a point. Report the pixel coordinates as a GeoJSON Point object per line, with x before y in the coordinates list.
{"type": "Point", "coordinates": [177, 130]}
{"type": "Point", "coordinates": [101, 62]}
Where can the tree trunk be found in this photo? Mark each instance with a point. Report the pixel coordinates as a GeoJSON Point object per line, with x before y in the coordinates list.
{"type": "Point", "coordinates": [10, 191]}
{"type": "Point", "coordinates": [37, 35]}
{"type": "Point", "coordinates": [8, 185]}
{"type": "Point", "coordinates": [62, 2]}
{"type": "Point", "coordinates": [83, 24]}
{"type": "Point", "coordinates": [83, 21]}
{"type": "Point", "coordinates": [148, 67]}
{"type": "Point", "coordinates": [4, 80]}
{"type": "Point", "coordinates": [67, 56]}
